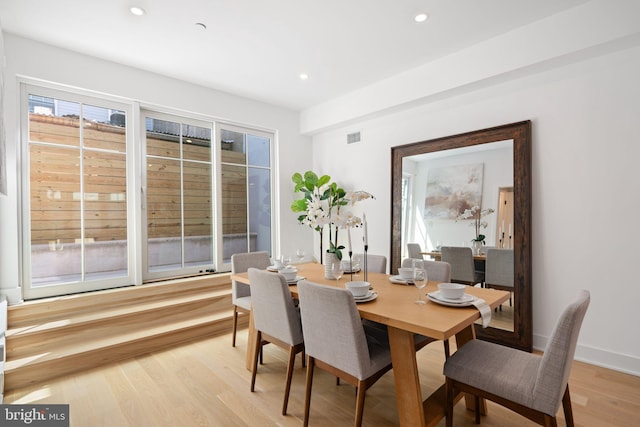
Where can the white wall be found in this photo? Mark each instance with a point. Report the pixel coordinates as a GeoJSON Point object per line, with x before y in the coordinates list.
{"type": "Point", "coordinates": [39, 61]}
{"type": "Point", "coordinates": [586, 146]}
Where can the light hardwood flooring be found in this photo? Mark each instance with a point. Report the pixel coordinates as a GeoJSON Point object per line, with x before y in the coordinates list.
{"type": "Point", "coordinates": [205, 383]}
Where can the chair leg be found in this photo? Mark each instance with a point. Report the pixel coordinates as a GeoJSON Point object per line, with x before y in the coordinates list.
{"type": "Point", "coordinates": [235, 326]}
{"type": "Point", "coordinates": [287, 387]}
{"type": "Point", "coordinates": [447, 353]}
{"type": "Point", "coordinates": [307, 397]}
{"type": "Point", "coordinates": [476, 401]}
{"type": "Point", "coordinates": [362, 390]}
{"type": "Point", "coordinates": [449, 409]}
{"type": "Point", "coordinates": [258, 350]}
{"type": "Point", "coordinates": [550, 421]}
{"type": "Point", "coordinates": [566, 406]}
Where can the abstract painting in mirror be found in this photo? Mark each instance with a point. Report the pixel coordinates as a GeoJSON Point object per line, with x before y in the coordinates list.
{"type": "Point", "coordinates": [472, 190]}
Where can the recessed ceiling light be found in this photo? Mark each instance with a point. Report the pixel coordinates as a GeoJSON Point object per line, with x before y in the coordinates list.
{"type": "Point", "coordinates": [421, 17]}
{"type": "Point", "coordinates": [138, 11]}
{"type": "Point", "coordinates": [304, 76]}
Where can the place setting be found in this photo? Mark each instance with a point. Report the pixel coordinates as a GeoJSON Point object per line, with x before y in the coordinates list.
{"type": "Point", "coordinates": [361, 291]}
{"type": "Point", "coordinates": [453, 295]}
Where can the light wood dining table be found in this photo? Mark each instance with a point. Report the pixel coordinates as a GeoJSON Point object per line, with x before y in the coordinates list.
{"type": "Point", "coordinates": [395, 307]}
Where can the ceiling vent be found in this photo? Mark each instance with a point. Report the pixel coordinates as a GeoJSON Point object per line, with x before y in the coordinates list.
{"type": "Point", "coordinates": [353, 137]}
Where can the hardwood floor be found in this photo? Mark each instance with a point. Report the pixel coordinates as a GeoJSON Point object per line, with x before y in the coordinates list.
{"type": "Point", "coordinates": [204, 383]}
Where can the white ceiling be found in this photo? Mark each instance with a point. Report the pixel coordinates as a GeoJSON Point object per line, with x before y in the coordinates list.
{"type": "Point", "coordinates": [258, 48]}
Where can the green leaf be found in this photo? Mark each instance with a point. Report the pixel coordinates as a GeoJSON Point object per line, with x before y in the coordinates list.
{"type": "Point", "coordinates": [297, 178]}
{"type": "Point", "coordinates": [299, 205]}
{"type": "Point", "coordinates": [311, 178]}
{"type": "Point", "coordinates": [323, 180]}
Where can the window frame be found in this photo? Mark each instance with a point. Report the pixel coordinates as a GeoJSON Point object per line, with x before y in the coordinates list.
{"type": "Point", "coordinates": [24, 201]}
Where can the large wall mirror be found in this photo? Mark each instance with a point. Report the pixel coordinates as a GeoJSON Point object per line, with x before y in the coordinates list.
{"type": "Point", "coordinates": [503, 156]}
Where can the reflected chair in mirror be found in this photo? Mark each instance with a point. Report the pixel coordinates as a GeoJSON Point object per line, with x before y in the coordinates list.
{"type": "Point", "coordinates": [340, 343]}
{"type": "Point", "coordinates": [533, 386]}
{"type": "Point", "coordinates": [414, 250]}
{"type": "Point", "coordinates": [375, 263]}
{"type": "Point", "coordinates": [276, 320]}
{"type": "Point", "coordinates": [462, 267]}
{"type": "Point", "coordinates": [499, 271]}
{"type": "Point", "coordinates": [240, 292]}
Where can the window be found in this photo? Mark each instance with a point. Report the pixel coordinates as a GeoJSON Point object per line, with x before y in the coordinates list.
{"type": "Point", "coordinates": [245, 157]}
{"type": "Point", "coordinates": [77, 203]}
{"type": "Point", "coordinates": [102, 209]}
{"type": "Point", "coordinates": [179, 196]}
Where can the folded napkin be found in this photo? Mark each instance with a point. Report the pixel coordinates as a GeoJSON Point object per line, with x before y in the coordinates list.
{"type": "Point", "coordinates": [485, 310]}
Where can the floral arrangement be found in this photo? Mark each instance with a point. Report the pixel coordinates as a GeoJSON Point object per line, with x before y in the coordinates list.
{"type": "Point", "coordinates": [323, 204]}
{"type": "Point", "coordinates": [476, 214]}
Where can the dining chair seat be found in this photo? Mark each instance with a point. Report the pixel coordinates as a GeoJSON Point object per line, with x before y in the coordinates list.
{"type": "Point", "coordinates": [462, 266]}
{"type": "Point", "coordinates": [499, 272]}
{"type": "Point", "coordinates": [414, 250]}
{"type": "Point", "coordinates": [375, 263]}
{"type": "Point", "coordinates": [438, 271]}
{"type": "Point", "coordinates": [532, 385]}
{"type": "Point", "coordinates": [336, 341]}
{"type": "Point", "coordinates": [241, 293]}
{"type": "Point", "coordinates": [276, 320]}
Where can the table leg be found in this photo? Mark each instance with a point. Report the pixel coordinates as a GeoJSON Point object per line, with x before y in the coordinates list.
{"type": "Point", "coordinates": [405, 374]}
{"type": "Point", "coordinates": [251, 344]}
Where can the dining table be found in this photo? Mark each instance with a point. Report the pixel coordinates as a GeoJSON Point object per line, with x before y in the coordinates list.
{"type": "Point", "coordinates": [395, 307]}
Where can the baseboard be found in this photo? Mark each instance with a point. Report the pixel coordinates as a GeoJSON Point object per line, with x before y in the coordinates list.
{"type": "Point", "coordinates": [625, 363]}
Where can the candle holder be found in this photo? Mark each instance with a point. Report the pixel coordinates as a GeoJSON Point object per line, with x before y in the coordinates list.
{"type": "Point", "coordinates": [351, 265]}
{"type": "Point", "coordinates": [366, 269]}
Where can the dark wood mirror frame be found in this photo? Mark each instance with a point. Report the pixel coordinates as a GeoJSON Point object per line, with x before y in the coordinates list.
{"type": "Point", "coordinates": [520, 133]}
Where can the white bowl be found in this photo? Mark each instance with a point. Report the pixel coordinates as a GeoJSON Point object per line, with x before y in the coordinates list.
{"type": "Point", "coordinates": [289, 273]}
{"type": "Point", "coordinates": [406, 273]}
{"type": "Point", "coordinates": [358, 288]}
{"type": "Point", "coordinates": [451, 290]}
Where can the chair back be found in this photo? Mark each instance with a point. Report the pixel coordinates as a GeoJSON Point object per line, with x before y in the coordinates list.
{"type": "Point", "coordinates": [461, 261]}
{"type": "Point", "coordinates": [332, 328]}
{"type": "Point", "coordinates": [438, 271]}
{"type": "Point", "coordinates": [499, 267]}
{"type": "Point", "coordinates": [240, 263]}
{"type": "Point", "coordinates": [274, 312]}
{"type": "Point", "coordinates": [555, 367]}
{"type": "Point", "coordinates": [375, 263]}
{"type": "Point", "coordinates": [414, 250]}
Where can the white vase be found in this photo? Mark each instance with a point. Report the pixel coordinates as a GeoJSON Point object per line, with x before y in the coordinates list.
{"type": "Point", "coordinates": [477, 246]}
{"type": "Point", "coordinates": [329, 259]}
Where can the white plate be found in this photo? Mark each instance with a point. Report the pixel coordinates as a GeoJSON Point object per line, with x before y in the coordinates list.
{"type": "Point", "coordinates": [371, 297]}
{"type": "Point", "coordinates": [294, 281]}
{"type": "Point", "coordinates": [355, 270]}
{"type": "Point", "coordinates": [398, 280]}
{"type": "Point", "coordinates": [274, 268]}
{"type": "Point", "coordinates": [368, 295]}
{"type": "Point", "coordinates": [465, 301]}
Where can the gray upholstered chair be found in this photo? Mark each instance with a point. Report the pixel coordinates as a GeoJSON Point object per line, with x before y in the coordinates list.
{"type": "Point", "coordinates": [276, 320]}
{"type": "Point", "coordinates": [337, 341]}
{"type": "Point", "coordinates": [241, 293]}
{"type": "Point", "coordinates": [414, 250]}
{"type": "Point", "coordinates": [499, 270]}
{"type": "Point", "coordinates": [462, 267]}
{"type": "Point", "coordinates": [438, 271]}
{"type": "Point", "coordinates": [531, 385]}
{"type": "Point", "coordinates": [375, 263]}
